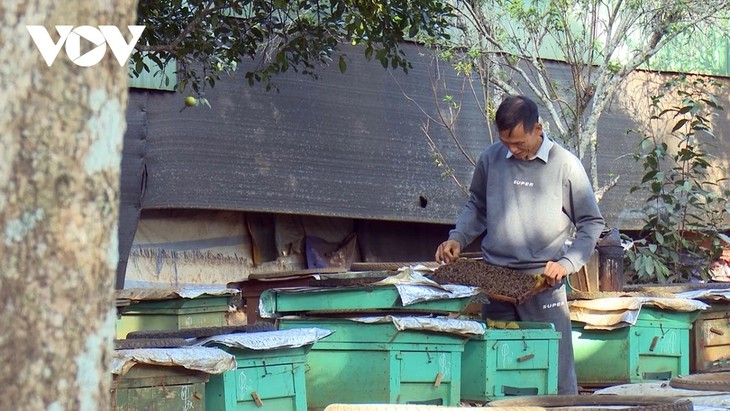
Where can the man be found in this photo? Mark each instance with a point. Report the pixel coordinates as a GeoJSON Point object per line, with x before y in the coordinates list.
{"type": "Point", "coordinates": [526, 195]}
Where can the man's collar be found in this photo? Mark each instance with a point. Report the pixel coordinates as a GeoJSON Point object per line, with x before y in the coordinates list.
{"type": "Point", "coordinates": [542, 152]}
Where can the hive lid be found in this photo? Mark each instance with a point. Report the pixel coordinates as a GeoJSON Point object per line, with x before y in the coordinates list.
{"type": "Point", "coordinates": [167, 293]}
{"type": "Point", "coordinates": [269, 340]}
{"type": "Point", "coordinates": [207, 359]}
{"type": "Point", "coordinates": [617, 312]}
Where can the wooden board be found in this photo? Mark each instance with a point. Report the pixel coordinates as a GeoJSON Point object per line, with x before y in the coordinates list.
{"type": "Point", "coordinates": [296, 273]}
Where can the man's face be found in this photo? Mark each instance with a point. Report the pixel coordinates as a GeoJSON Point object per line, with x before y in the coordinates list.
{"type": "Point", "coordinates": [522, 144]}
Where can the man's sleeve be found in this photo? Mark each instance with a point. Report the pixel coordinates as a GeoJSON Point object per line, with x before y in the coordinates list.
{"type": "Point", "coordinates": [581, 206]}
{"type": "Point", "coordinates": [473, 218]}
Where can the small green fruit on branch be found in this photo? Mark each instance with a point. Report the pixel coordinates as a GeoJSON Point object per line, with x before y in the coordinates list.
{"type": "Point", "coordinates": [191, 101]}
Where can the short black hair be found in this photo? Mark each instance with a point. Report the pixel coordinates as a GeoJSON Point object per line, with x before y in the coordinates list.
{"type": "Point", "coordinates": [515, 110]}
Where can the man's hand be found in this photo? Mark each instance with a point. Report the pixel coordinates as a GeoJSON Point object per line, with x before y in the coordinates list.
{"type": "Point", "coordinates": [554, 272]}
{"type": "Point", "coordinates": [448, 251]}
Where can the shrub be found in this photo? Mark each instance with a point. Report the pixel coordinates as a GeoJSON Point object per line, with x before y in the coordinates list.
{"type": "Point", "coordinates": [685, 206]}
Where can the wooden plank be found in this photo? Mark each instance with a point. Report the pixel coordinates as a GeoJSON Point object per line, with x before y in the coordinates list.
{"type": "Point", "coordinates": [296, 273]}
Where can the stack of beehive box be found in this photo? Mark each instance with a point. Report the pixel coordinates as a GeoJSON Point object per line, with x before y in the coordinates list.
{"type": "Point", "coordinates": [632, 338]}
{"type": "Point", "coordinates": [376, 355]}
{"type": "Point", "coordinates": [367, 358]}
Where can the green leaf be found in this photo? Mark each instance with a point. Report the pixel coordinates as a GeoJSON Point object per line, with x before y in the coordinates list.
{"type": "Point", "coordinates": [659, 237]}
{"type": "Point", "coordinates": [138, 66]}
{"type": "Point", "coordinates": [412, 31]}
{"type": "Point", "coordinates": [342, 64]}
{"type": "Point", "coordinates": [646, 144]}
{"type": "Point", "coordinates": [656, 186]}
{"type": "Point", "coordinates": [685, 109]}
{"type": "Point", "coordinates": [649, 176]}
{"type": "Point", "coordinates": [649, 266]}
{"type": "Point", "coordinates": [712, 103]}
{"type": "Point", "coordinates": [679, 124]}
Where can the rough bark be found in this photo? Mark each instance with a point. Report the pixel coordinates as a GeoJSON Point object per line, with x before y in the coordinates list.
{"type": "Point", "coordinates": [61, 131]}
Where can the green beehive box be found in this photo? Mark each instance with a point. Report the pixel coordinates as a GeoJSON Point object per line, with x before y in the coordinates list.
{"type": "Point", "coordinates": [375, 363]}
{"type": "Point", "coordinates": [172, 314]}
{"type": "Point", "coordinates": [352, 299]}
{"type": "Point", "coordinates": [152, 387]}
{"type": "Point", "coordinates": [511, 362]}
{"type": "Point", "coordinates": [264, 380]}
{"type": "Point", "coordinates": [655, 348]}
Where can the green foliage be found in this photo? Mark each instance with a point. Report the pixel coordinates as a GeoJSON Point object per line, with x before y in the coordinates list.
{"type": "Point", "coordinates": [696, 51]}
{"type": "Point", "coordinates": [209, 38]}
{"type": "Point", "coordinates": [613, 67]}
{"type": "Point", "coordinates": [438, 160]}
{"type": "Point", "coordinates": [449, 100]}
{"type": "Point", "coordinates": [684, 206]}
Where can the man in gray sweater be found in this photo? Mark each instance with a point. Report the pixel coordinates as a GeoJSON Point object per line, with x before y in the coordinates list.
{"type": "Point", "coordinates": [526, 196]}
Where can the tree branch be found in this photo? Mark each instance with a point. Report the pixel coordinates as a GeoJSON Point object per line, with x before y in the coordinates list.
{"type": "Point", "coordinates": [175, 43]}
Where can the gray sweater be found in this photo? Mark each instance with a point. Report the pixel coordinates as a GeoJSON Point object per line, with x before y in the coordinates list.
{"type": "Point", "coordinates": [527, 209]}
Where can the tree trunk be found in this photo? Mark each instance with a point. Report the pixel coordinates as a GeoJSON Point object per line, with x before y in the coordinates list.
{"type": "Point", "coordinates": [61, 131]}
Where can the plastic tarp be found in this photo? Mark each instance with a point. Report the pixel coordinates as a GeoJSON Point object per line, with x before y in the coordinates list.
{"type": "Point", "coordinates": [206, 359]}
{"type": "Point", "coordinates": [702, 400]}
{"type": "Point", "coordinates": [165, 293]}
{"type": "Point", "coordinates": [617, 312]}
{"type": "Point", "coordinates": [269, 340]}
{"type": "Point", "coordinates": [722, 294]}
{"type": "Point", "coordinates": [413, 287]}
{"type": "Point", "coordinates": [464, 328]}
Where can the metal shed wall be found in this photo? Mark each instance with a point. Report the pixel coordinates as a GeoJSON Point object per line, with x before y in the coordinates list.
{"type": "Point", "coordinates": [348, 145]}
